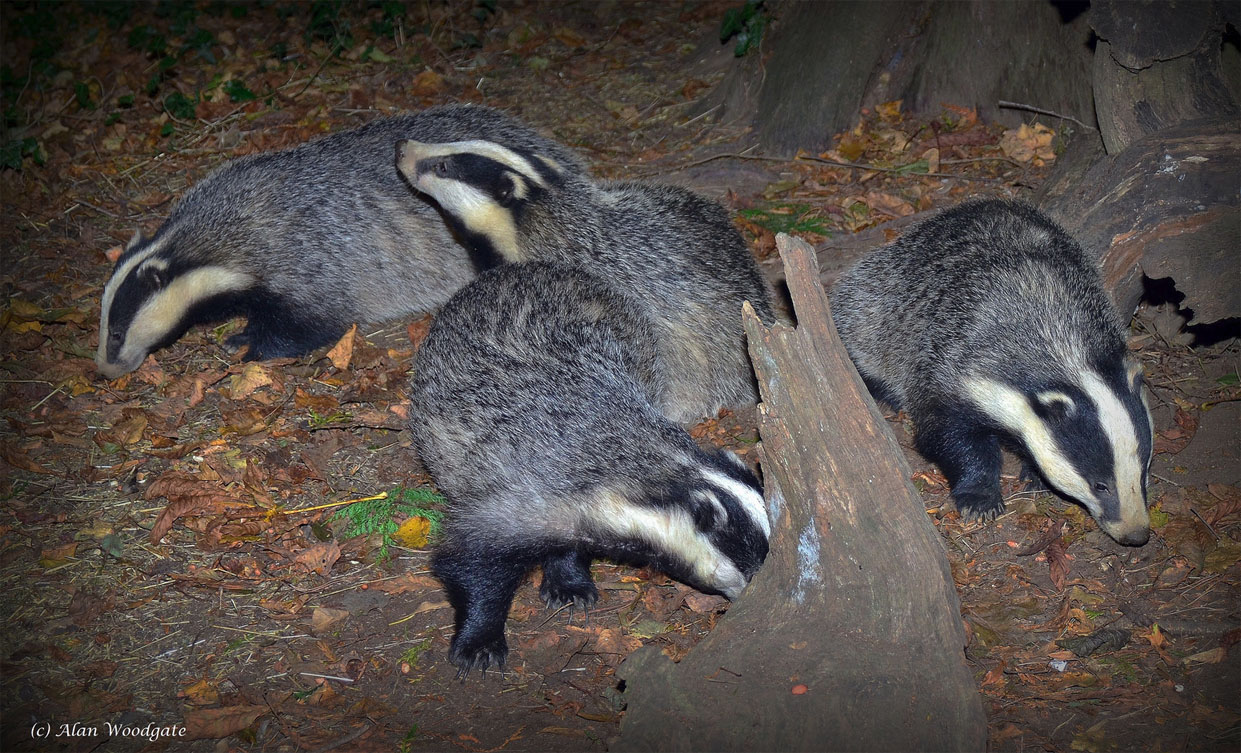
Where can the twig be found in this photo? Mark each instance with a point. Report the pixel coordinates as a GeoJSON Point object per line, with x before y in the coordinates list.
{"type": "Point", "coordinates": [314, 75]}
{"type": "Point", "coordinates": [1030, 108]}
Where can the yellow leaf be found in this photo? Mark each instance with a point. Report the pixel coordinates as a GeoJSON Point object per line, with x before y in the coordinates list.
{"type": "Point", "coordinates": [889, 110]}
{"type": "Point", "coordinates": [24, 309]}
{"type": "Point", "coordinates": [413, 533]}
{"type": "Point", "coordinates": [342, 352]}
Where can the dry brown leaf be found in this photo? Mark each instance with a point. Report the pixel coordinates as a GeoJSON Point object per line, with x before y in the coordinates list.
{"type": "Point", "coordinates": [320, 557]}
{"type": "Point", "coordinates": [185, 494]}
{"type": "Point", "coordinates": [406, 582]}
{"type": "Point", "coordinates": [18, 459]}
{"type": "Point", "coordinates": [1058, 563]}
{"type": "Point", "coordinates": [253, 376]}
{"type": "Point", "coordinates": [612, 641]}
{"type": "Point", "coordinates": [426, 84]}
{"type": "Point", "coordinates": [325, 619]}
{"type": "Point", "coordinates": [210, 724]}
{"type": "Point", "coordinates": [202, 693]}
{"type": "Point", "coordinates": [342, 352]}
{"type": "Point", "coordinates": [418, 329]}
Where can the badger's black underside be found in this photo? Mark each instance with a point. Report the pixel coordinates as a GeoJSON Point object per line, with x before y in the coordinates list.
{"type": "Point", "coordinates": [276, 327]}
{"type": "Point", "coordinates": [481, 582]}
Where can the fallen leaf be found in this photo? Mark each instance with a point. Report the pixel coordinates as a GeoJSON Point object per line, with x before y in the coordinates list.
{"type": "Point", "coordinates": [325, 619]}
{"type": "Point", "coordinates": [253, 376]}
{"type": "Point", "coordinates": [202, 693]}
{"type": "Point", "coordinates": [426, 84]}
{"type": "Point", "coordinates": [1058, 563]}
{"type": "Point", "coordinates": [413, 533]}
{"type": "Point", "coordinates": [342, 352]}
{"type": "Point", "coordinates": [185, 494]}
{"type": "Point", "coordinates": [1105, 639]}
{"type": "Point", "coordinates": [612, 641]}
{"type": "Point", "coordinates": [211, 724]}
{"type": "Point", "coordinates": [319, 558]}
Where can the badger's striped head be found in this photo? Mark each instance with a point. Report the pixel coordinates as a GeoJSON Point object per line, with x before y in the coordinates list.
{"type": "Point", "coordinates": [482, 187]}
{"type": "Point", "coordinates": [1091, 438]}
{"type": "Point", "coordinates": [149, 301]}
{"type": "Point", "coordinates": [708, 528]}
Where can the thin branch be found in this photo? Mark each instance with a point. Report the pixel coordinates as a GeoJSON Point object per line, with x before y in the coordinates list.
{"type": "Point", "coordinates": [1031, 108]}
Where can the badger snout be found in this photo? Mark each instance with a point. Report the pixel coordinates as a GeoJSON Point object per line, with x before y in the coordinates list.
{"type": "Point", "coordinates": [1133, 537]}
{"type": "Point", "coordinates": [407, 155]}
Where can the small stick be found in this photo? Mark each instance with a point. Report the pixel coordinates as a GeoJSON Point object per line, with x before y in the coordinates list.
{"type": "Point", "coordinates": [1030, 108]}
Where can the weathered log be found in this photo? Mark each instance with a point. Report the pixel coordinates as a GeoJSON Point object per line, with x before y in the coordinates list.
{"type": "Point", "coordinates": [1165, 207]}
{"type": "Point", "coordinates": [1157, 65]}
{"type": "Point", "coordinates": [850, 637]}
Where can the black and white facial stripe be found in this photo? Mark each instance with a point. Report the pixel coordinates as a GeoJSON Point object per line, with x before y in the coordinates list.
{"type": "Point", "coordinates": [1091, 440]}
{"type": "Point", "coordinates": [151, 299]}
{"type": "Point", "coordinates": [481, 186]}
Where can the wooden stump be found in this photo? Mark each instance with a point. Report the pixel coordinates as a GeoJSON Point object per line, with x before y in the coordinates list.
{"type": "Point", "coordinates": [850, 637]}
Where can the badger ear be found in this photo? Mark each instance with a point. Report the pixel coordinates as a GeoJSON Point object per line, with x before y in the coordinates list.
{"type": "Point", "coordinates": [709, 514]}
{"type": "Point", "coordinates": [1134, 373]}
{"type": "Point", "coordinates": [1055, 404]}
{"type": "Point", "coordinates": [137, 239]}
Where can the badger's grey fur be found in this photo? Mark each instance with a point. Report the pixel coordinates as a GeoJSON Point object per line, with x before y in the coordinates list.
{"type": "Point", "coordinates": [989, 325]}
{"type": "Point", "coordinates": [303, 242]}
{"type": "Point", "coordinates": [532, 408]}
{"type": "Point", "coordinates": [672, 250]}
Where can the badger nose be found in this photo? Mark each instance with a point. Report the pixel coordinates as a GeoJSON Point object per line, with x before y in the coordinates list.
{"type": "Point", "coordinates": [1135, 538]}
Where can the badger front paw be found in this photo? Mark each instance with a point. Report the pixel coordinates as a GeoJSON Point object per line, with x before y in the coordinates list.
{"type": "Point", "coordinates": [979, 506]}
{"type": "Point", "coordinates": [555, 593]}
{"type": "Point", "coordinates": [477, 652]}
{"type": "Point", "coordinates": [566, 580]}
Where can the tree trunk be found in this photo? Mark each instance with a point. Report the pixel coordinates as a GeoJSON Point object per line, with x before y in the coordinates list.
{"type": "Point", "coordinates": [1157, 65]}
{"type": "Point", "coordinates": [850, 637]}
{"type": "Point", "coordinates": [829, 60]}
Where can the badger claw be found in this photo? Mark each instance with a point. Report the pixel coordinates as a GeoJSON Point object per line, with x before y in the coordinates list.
{"type": "Point", "coordinates": [468, 654]}
{"type": "Point", "coordinates": [581, 595]}
{"type": "Point", "coordinates": [979, 506]}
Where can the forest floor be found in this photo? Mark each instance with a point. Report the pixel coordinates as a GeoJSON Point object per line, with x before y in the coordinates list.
{"type": "Point", "coordinates": [168, 551]}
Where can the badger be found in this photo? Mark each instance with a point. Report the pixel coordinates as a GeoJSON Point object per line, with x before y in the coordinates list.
{"type": "Point", "coordinates": [303, 242]}
{"type": "Point", "coordinates": [532, 408]}
{"type": "Point", "coordinates": [672, 250]}
{"type": "Point", "coordinates": [989, 325]}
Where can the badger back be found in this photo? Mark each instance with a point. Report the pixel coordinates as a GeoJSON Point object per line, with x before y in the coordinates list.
{"type": "Point", "coordinates": [532, 408]}
{"type": "Point", "coordinates": [992, 307]}
{"type": "Point", "coordinates": [327, 228]}
{"type": "Point", "coordinates": [672, 250]}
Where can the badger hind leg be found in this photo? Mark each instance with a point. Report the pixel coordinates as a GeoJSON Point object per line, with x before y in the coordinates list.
{"type": "Point", "coordinates": [480, 586]}
{"type": "Point", "coordinates": [968, 454]}
{"type": "Point", "coordinates": [567, 580]}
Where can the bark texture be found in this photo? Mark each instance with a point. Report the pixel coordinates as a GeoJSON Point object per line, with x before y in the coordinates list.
{"type": "Point", "coordinates": [1167, 206]}
{"type": "Point", "coordinates": [850, 637]}
{"type": "Point", "coordinates": [828, 60]}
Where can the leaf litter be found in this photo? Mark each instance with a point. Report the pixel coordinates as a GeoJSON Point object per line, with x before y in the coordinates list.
{"type": "Point", "coordinates": [170, 543]}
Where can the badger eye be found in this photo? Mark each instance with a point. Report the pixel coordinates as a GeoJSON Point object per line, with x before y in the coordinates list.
{"type": "Point", "coordinates": [441, 168]}
{"type": "Point", "coordinates": [1101, 488]}
{"type": "Point", "coordinates": [115, 337]}
{"type": "Point", "coordinates": [506, 189]}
